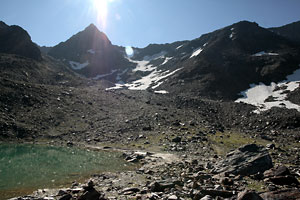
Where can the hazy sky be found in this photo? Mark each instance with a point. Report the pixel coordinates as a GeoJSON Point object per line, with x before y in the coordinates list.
{"type": "Point", "coordinates": [141, 22]}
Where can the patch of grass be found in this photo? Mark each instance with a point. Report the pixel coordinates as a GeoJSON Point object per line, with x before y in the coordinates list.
{"type": "Point", "coordinates": [227, 141]}
{"type": "Point", "coordinates": [255, 185]}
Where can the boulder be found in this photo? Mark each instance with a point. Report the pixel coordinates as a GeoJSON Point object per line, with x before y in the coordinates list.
{"type": "Point", "coordinates": [160, 186]}
{"type": "Point", "coordinates": [66, 197]}
{"type": "Point", "coordinates": [277, 171]}
{"type": "Point", "coordinates": [289, 194]}
{"type": "Point", "coordinates": [284, 180]}
{"type": "Point", "coordinates": [248, 195]}
{"type": "Point", "coordinates": [90, 195]}
{"type": "Point", "coordinates": [246, 160]}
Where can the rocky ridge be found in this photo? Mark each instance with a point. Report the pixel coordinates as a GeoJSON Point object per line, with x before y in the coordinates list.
{"type": "Point", "coordinates": [15, 40]}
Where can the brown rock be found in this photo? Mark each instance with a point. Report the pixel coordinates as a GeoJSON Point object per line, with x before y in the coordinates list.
{"type": "Point", "coordinates": [290, 194]}
{"type": "Point", "coordinates": [248, 195]}
{"type": "Point", "coordinates": [277, 171]}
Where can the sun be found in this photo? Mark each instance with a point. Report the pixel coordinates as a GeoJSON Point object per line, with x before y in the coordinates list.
{"type": "Point", "coordinates": [101, 8]}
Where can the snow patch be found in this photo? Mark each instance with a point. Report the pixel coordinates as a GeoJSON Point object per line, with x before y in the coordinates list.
{"type": "Point", "coordinates": [166, 60]}
{"type": "Point", "coordinates": [275, 94]}
{"type": "Point", "coordinates": [263, 53]}
{"type": "Point", "coordinates": [77, 65]}
{"type": "Point", "coordinates": [161, 92]}
{"type": "Point", "coordinates": [153, 79]}
{"type": "Point", "coordinates": [91, 51]}
{"type": "Point", "coordinates": [104, 75]}
{"type": "Point", "coordinates": [142, 65]}
{"type": "Point", "coordinates": [196, 52]}
{"type": "Point", "coordinates": [179, 46]}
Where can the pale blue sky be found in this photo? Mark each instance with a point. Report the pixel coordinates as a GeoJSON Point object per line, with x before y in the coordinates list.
{"type": "Point", "coordinates": [141, 22]}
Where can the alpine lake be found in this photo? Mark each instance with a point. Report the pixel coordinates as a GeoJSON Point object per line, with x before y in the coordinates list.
{"type": "Point", "coordinates": [25, 168]}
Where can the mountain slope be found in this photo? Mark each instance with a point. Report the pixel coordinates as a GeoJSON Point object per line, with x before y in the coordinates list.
{"type": "Point", "coordinates": [234, 57]}
{"type": "Point", "coordinates": [15, 40]}
{"type": "Point", "coordinates": [290, 31]}
{"type": "Point", "coordinates": [90, 53]}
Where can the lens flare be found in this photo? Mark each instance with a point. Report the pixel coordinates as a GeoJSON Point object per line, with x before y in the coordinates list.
{"type": "Point", "coordinates": [101, 7]}
{"type": "Point", "coordinates": [129, 51]}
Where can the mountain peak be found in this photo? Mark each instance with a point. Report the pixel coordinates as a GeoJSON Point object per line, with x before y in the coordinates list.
{"type": "Point", "coordinates": [92, 27]}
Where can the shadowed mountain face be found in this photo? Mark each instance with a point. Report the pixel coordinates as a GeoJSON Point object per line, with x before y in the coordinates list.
{"type": "Point", "coordinates": [89, 52]}
{"type": "Point", "coordinates": [290, 31]}
{"type": "Point", "coordinates": [15, 40]}
{"type": "Point", "coordinates": [230, 59]}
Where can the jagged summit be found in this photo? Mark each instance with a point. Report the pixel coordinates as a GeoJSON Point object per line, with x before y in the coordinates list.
{"type": "Point", "coordinates": [89, 52]}
{"type": "Point", "coordinates": [91, 27]}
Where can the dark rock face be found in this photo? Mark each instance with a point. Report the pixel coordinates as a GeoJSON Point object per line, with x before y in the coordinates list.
{"type": "Point", "coordinates": [290, 31]}
{"type": "Point", "coordinates": [15, 40]}
{"type": "Point", "coordinates": [246, 160]}
{"type": "Point", "coordinates": [227, 64]}
{"type": "Point", "coordinates": [92, 46]}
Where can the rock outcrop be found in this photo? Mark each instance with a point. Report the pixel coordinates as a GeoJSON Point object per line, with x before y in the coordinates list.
{"type": "Point", "coordinates": [246, 160]}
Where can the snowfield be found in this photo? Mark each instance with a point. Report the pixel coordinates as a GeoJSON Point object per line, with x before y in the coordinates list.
{"type": "Point", "coordinates": [154, 79]}
{"type": "Point", "coordinates": [264, 97]}
{"type": "Point", "coordinates": [77, 65]}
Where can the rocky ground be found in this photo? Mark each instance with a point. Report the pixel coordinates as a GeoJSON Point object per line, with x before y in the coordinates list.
{"type": "Point", "coordinates": [249, 172]}
{"type": "Point", "coordinates": [194, 137]}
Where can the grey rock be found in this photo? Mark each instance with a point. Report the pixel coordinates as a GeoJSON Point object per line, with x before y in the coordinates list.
{"type": "Point", "coordinates": [246, 160]}
{"type": "Point", "coordinates": [160, 186]}
{"type": "Point", "coordinates": [207, 197]}
{"type": "Point", "coordinates": [172, 197]}
{"type": "Point", "coordinates": [130, 190]}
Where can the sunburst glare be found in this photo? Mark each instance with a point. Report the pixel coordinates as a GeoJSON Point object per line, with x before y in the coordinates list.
{"type": "Point", "coordinates": [101, 8]}
{"type": "Point", "coordinates": [129, 51]}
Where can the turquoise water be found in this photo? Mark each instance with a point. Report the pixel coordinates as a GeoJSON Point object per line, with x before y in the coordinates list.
{"type": "Point", "coordinates": [25, 168]}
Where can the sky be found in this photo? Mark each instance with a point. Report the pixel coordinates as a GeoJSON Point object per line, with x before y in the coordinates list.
{"type": "Point", "coordinates": [139, 23]}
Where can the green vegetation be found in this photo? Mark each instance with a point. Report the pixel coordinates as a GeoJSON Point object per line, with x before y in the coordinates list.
{"type": "Point", "coordinates": [227, 141]}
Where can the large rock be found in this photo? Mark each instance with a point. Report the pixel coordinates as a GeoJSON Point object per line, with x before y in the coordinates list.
{"type": "Point", "coordinates": [248, 195]}
{"type": "Point", "coordinates": [246, 160]}
{"type": "Point", "coordinates": [90, 195]}
{"type": "Point", "coordinates": [280, 175]}
{"type": "Point", "coordinates": [277, 171]}
{"type": "Point", "coordinates": [289, 194]}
